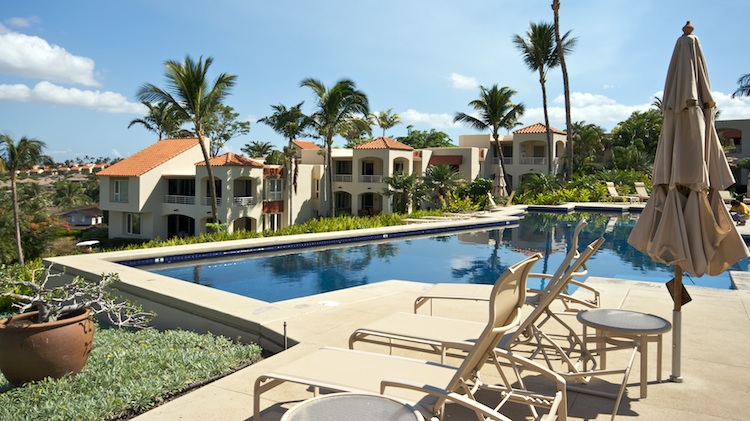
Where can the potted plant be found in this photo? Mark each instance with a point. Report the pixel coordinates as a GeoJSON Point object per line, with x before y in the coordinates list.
{"type": "Point", "coordinates": [53, 333]}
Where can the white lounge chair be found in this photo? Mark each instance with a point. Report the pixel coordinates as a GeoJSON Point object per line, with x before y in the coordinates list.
{"type": "Point", "coordinates": [622, 197]}
{"type": "Point", "coordinates": [640, 189]}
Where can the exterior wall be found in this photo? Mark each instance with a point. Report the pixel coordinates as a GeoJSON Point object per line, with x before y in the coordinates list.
{"type": "Point", "coordinates": [740, 147]}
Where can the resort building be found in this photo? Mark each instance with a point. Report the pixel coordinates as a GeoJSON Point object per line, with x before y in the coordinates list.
{"type": "Point", "coordinates": [163, 190]}
{"type": "Point", "coordinates": [732, 131]}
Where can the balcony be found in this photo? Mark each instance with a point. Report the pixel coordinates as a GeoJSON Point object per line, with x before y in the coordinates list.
{"type": "Point", "coordinates": [507, 160]}
{"type": "Point", "coordinates": [535, 160]}
{"type": "Point", "coordinates": [207, 201]}
{"type": "Point", "coordinates": [243, 201]}
{"type": "Point", "coordinates": [370, 178]}
{"type": "Point", "coordinates": [342, 178]}
{"type": "Point", "coordinates": [179, 200]}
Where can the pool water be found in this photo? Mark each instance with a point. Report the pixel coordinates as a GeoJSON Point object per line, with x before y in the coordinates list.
{"type": "Point", "coordinates": [465, 257]}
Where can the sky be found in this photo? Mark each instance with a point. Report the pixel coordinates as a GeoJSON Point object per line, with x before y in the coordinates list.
{"type": "Point", "coordinates": [70, 70]}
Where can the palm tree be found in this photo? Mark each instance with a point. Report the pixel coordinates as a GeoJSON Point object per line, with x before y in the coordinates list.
{"type": "Point", "coordinates": [257, 149]}
{"type": "Point", "coordinates": [496, 110]}
{"type": "Point", "coordinates": [540, 53]}
{"type": "Point", "coordinates": [386, 119]}
{"type": "Point", "coordinates": [443, 179]}
{"type": "Point", "coordinates": [566, 87]}
{"type": "Point", "coordinates": [334, 108]}
{"type": "Point", "coordinates": [194, 99]}
{"type": "Point", "coordinates": [69, 194]}
{"type": "Point", "coordinates": [405, 190]}
{"type": "Point", "coordinates": [356, 130]}
{"type": "Point", "coordinates": [290, 123]}
{"type": "Point", "coordinates": [162, 118]}
{"type": "Point", "coordinates": [16, 157]}
{"type": "Point", "coordinates": [744, 86]}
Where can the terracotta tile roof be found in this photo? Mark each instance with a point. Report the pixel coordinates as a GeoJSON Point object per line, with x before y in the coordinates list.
{"type": "Point", "coordinates": [141, 162]}
{"type": "Point", "coordinates": [304, 144]}
{"type": "Point", "coordinates": [230, 159]}
{"type": "Point", "coordinates": [384, 143]}
{"type": "Point", "coordinates": [537, 128]}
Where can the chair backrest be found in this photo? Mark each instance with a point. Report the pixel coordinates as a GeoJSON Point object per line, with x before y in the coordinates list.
{"type": "Point", "coordinates": [555, 287]}
{"type": "Point", "coordinates": [506, 300]}
{"type": "Point", "coordinates": [640, 188]}
{"type": "Point", "coordinates": [572, 254]}
{"type": "Point", "coordinates": [611, 189]}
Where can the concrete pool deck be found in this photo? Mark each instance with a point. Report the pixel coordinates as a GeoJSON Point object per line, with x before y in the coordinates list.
{"type": "Point", "coordinates": [716, 326]}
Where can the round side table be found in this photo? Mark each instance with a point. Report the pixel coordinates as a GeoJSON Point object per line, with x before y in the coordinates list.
{"type": "Point", "coordinates": [352, 406]}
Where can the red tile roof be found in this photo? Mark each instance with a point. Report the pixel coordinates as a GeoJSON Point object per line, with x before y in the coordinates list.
{"type": "Point", "coordinates": [146, 160]}
{"type": "Point", "coordinates": [538, 128]}
{"type": "Point", "coordinates": [384, 143]}
{"type": "Point", "coordinates": [230, 159]}
{"type": "Point", "coordinates": [304, 144]}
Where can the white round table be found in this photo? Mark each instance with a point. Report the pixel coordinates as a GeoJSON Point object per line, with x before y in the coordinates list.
{"type": "Point", "coordinates": [352, 406]}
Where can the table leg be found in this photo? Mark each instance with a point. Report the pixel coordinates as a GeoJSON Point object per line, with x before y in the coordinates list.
{"type": "Point", "coordinates": [643, 349]}
{"type": "Point", "coordinates": [658, 356]}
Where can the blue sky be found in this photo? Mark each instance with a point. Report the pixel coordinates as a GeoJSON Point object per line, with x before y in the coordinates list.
{"type": "Point", "coordinates": [69, 71]}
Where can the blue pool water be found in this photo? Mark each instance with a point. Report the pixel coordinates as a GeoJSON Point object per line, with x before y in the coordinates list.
{"type": "Point", "coordinates": [465, 257]}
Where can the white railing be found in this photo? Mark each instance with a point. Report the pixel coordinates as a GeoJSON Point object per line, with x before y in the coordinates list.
{"type": "Point", "coordinates": [534, 161]}
{"type": "Point", "coordinates": [342, 178]}
{"type": "Point", "coordinates": [370, 178]}
{"type": "Point", "coordinates": [207, 201]}
{"type": "Point", "coordinates": [275, 195]}
{"type": "Point", "coordinates": [179, 200]}
{"type": "Point", "coordinates": [507, 160]}
{"type": "Point", "coordinates": [243, 201]}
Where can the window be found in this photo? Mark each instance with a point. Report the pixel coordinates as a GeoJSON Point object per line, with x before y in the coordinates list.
{"type": "Point", "coordinates": [120, 190]}
{"type": "Point", "coordinates": [317, 188]}
{"type": "Point", "coordinates": [344, 167]}
{"type": "Point", "coordinates": [133, 223]}
{"type": "Point", "coordinates": [273, 221]}
{"type": "Point", "coordinates": [181, 187]}
{"type": "Point", "coordinates": [275, 189]}
{"type": "Point", "coordinates": [398, 168]}
{"type": "Point", "coordinates": [368, 168]}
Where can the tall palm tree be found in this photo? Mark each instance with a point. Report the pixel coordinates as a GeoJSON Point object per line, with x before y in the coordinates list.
{"type": "Point", "coordinates": [162, 118]}
{"type": "Point", "coordinates": [744, 86]}
{"type": "Point", "coordinates": [290, 123]}
{"type": "Point", "coordinates": [566, 87]}
{"type": "Point", "coordinates": [386, 119]}
{"type": "Point", "coordinates": [16, 157]}
{"type": "Point", "coordinates": [443, 179]}
{"type": "Point", "coordinates": [496, 111]}
{"type": "Point", "coordinates": [189, 92]}
{"type": "Point", "coordinates": [257, 149]}
{"type": "Point", "coordinates": [69, 194]}
{"type": "Point", "coordinates": [540, 53]}
{"type": "Point", "coordinates": [334, 108]}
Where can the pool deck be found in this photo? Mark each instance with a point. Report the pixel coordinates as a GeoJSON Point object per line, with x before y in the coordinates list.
{"type": "Point", "coordinates": [715, 367]}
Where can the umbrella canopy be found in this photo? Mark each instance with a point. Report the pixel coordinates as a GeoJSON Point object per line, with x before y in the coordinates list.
{"type": "Point", "coordinates": [499, 185]}
{"type": "Point", "coordinates": [685, 222]}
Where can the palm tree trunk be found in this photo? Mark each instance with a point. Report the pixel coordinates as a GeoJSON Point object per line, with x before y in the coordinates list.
{"type": "Point", "coordinates": [329, 178]}
{"type": "Point", "coordinates": [546, 121]}
{"type": "Point", "coordinates": [16, 217]}
{"type": "Point", "coordinates": [500, 157]}
{"type": "Point", "coordinates": [566, 91]}
{"type": "Point", "coordinates": [211, 183]}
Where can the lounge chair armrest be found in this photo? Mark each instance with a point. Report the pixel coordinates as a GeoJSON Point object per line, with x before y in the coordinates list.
{"type": "Point", "coordinates": [456, 398]}
{"type": "Point", "coordinates": [501, 354]}
{"type": "Point", "coordinates": [596, 302]}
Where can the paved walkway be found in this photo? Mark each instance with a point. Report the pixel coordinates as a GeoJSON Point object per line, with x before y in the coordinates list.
{"type": "Point", "coordinates": [715, 367]}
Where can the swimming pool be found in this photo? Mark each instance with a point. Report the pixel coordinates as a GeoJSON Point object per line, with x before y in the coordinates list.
{"type": "Point", "coordinates": [467, 257]}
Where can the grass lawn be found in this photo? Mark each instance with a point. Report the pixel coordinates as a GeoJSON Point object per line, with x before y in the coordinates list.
{"type": "Point", "coordinates": [127, 373]}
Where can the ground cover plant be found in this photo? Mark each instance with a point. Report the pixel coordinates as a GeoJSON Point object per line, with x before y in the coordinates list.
{"type": "Point", "coordinates": [128, 372]}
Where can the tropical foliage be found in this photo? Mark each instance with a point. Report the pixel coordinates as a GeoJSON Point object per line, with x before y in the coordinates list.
{"type": "Point", "coordinates": [257, 149]}
{"type": "Point", "coordinates": [743, 88]}
{"type": "Point", "coordinates": [420, 139]}
{"type": "Point", "coordinates": [222, 125]}
{"type": "Point", "coordinates": [162, 118]}
{"type": "Point", "coordinates": [386, 119]}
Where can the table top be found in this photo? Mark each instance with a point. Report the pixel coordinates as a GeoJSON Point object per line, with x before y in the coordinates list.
{"type": "Point", "coordinates": [624, 321]}
{"type": "Point", "coordinates": [352, 406]}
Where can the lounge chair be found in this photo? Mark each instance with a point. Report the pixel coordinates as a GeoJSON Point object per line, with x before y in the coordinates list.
{"type": "Point", "coordinates": [726, 196]}
{"type": "Point", "coordinates": [452, 336]}
{"type": "Point", "coordinates": [492, 205]}
{"type": "Point", "coordinates": [481, 292]}
{"type": "Point", "coordinates": [622, 197]}
{"type": "Point", "coordinates": [343, 370]}
{"type": "Point", "coordinates": [640, 189]}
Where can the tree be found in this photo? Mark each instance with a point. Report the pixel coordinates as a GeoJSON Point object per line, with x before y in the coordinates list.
{"type": "Point", "coordinates": [333, 109]}
{"type": "Point", "coordinates": [496, 110]}
{"type": "Point", "coordinates": [405, 190]}
{"type": "Point", "coordinates": [386, 119]}
{"type": "Point", "coordinates": [356, 131]}
{"type": "Point", "coordinates": [540, 53]}
{"type": "Point", "coordinates": [190, 93]}
{"type": "Point", "coordinates": [222, 125]}
{"type": "Point", "coordinates": [744, 86]}
{"type": "Point", "coordinates": [16, 157]}
{"type": "Point", "coordinates": [566, 87]}
{"type": "Point", "coordinates": [162, 118]}
{"type": "Point", "coordinates": [420, 139]}
{"type": "Point", "coordinates": [290, 123]}
{"type": "Point", "coordinates": [443, 179]}
{"type": "Point", "coordinates": [69, 194]}
{"type": "Point", "coordinates": [257, 149]}
{"type": "Point", "coordinates": [589, 145]}
{"type": "Point", "coordinates": [641, 129]}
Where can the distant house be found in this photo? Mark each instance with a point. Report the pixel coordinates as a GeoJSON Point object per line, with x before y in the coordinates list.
{"type": "Point", "coordinates": [83, 216]}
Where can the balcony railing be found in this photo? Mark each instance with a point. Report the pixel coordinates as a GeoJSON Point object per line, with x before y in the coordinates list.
{"type": "Point", "coordinates": [179, 200]}
{"type": "Point", "coordinates": [507, 160]}
{"type": "Point", "coordinates": [370, 178]}
{"type": "Point", "coordinates": [243, 201]}
{"type": "Point", "coordinates": [207, 201]}
{"type": "Point", "coordinates": [534, 160]}
{"type": "Point", "coordinates": [342, 178]}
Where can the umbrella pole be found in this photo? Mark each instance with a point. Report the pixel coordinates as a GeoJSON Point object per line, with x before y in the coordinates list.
{"type": "Point", "coordinates": [677, 327]}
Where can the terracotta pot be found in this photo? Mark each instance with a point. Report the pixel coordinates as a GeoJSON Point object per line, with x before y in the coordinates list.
{"type": "Point", "coordinates": [31, 351]}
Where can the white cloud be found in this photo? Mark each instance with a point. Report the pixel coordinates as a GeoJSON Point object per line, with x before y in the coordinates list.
{"type": "Point", "coordinates": [22, 22]}
{"type": "Point", "coordinates": [116, 153]}
{"type": "Point", "coordinates": [463, 82]}
{"type": "Point", "coordinates": [46, 92]}
{"type": "Point", "coordinates": [31, 56]}
{"type": "Point", "coordinates": [737, 108]}
{"type": "Point", "coordinates": [436, 121]}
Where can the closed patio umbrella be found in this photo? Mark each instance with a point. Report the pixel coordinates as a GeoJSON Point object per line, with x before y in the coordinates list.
{"type": "Point", "coordinates": [685, 222]}
{"type": "Point", "coordinates": [499, 185]}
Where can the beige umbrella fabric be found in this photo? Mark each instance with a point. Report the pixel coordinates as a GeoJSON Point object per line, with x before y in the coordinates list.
{"type": "Point", "coordinates": [685, 223]}
{"type": "Point", "coordinates": [499, 186]}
